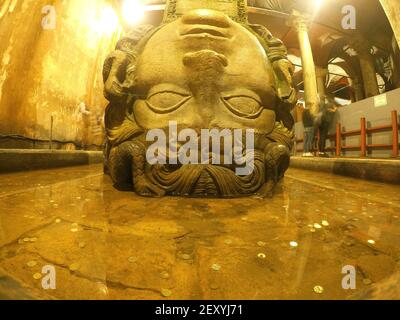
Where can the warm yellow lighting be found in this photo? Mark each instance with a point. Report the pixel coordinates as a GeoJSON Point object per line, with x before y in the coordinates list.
{"type": "Point", "coordinates": [315, 7]}
{"type": "Point", "coordinates": [203, 12]}
{"type": "Point", "coordinates": [108, 22]}
{"type": "Point", "coordinates": [294, 244]}
{"type": "Point", "coordinates": [318, 4]}
{"type": "Point", "coordinates": [133, 11]}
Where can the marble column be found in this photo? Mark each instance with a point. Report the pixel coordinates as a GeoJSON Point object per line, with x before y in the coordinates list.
{"type": "Point", "coordinates": [321, 74]}
{"type": "Point", "coordinates": [301, 24]}
{"type": "Point", "coordinates": [367, 65]}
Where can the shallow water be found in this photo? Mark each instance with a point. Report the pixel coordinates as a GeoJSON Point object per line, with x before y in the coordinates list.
{"type": "Point", "coordinates": [107, 244]}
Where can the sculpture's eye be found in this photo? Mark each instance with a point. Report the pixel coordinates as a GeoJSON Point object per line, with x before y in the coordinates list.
{"type": "Point", "coordinates": [166, 101]}
{"type": "Point", "coordinates": [243, 106]}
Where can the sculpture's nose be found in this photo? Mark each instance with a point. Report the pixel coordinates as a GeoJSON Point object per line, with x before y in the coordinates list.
{"type": "Point", "coordinates": [206, 17]}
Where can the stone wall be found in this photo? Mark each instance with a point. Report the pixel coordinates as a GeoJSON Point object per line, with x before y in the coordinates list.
{"type": "Point", "coordinates": [48, 72]}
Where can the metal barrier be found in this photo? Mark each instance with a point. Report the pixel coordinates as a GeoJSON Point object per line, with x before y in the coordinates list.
{"type": "Point", "coordinates": [363, 132]}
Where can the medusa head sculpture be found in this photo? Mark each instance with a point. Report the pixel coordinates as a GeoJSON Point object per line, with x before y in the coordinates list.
{"type": "Point", "coordinates": [203, 70]}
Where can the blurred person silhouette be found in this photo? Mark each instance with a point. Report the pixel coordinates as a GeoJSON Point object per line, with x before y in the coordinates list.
{"type": "Point", "coordinates": [309, 132]}
{"type": "Point", "coordinates": [324, 120]}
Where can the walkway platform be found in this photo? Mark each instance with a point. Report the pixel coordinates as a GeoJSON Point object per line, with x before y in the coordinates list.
{"type": "Point", "coordinates": [13, 160]}
{"type": "Point", "coordinates": [369, 169]}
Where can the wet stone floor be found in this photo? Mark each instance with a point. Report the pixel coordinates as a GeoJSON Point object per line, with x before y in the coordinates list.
{"type": "Point", "coordinates": [107, 244]}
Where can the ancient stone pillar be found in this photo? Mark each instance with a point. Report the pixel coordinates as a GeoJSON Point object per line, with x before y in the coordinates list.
{"type": "Point", "coordinates": [358, 89]}
{"type": "Point", "coordinates": [392, 10]}
{"type": "Point", "coordinates": [367, 65]}
{"type": "Point", "coordinates": [321, 74]}
{"type": "Point", "coordinates": [301, 23]}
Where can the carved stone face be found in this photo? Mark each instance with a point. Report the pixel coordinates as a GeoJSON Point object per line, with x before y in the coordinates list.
{"type": "Point", "coordinates": [201, 71]}
{"type": "Point", "coordinates": [205, 71]}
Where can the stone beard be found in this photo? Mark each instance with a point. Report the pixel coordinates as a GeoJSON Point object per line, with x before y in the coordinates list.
{"type": "Point", "coordinates": [201, 71]}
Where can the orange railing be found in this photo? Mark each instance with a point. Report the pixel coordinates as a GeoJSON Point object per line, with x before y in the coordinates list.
{"type": "Point", "coordinates": [340, 136]}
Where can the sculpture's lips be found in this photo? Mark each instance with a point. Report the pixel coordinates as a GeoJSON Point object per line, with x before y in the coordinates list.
{"type": "Point", "coordinates": [205, 31]}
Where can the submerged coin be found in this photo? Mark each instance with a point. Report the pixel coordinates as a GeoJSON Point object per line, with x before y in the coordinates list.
{"type": "Point", "coordinates": [74, 267]}
{"type": "Point", "coordinates": [37, 276]}
{"type": "Point", "coordinates": [294, 244]}
{"type": "Point", "coordinates": [325, 223]}
{"type": "Point", "coordinates": [350, 243]}
{"type": "Point", "coordinates": [318, 289]}
{"type": "Point", "coordinates": [371, 241]}
{"type": "Point", "coordinates": [214, 286]}
{"type": "Point", "coordinates": [103, 289]}
{"type": "Point", "coordinates": [261, 243]}
{"type": "Point", "coordinates": [228, 242]}
{"type": "Point", "coordinates": [166, 293]}
{"type": "Point", "coordinates": [82, 245]}
{"type": "Point", "coordinates": [58, 220]}
{"type": "Point", "coordinates": [186, 257]}
{"type": "Point", "coordinates": [262, 255]}
{"type": "Point", "coordinates": [317, 226]}
{"type": "Point", "coordinates": [216, 267]}
{"type": "Point", "coordinates": [31, 264]}
{"type": "Point", "coordinates": [74, 230]}
{"type": "Point", "coordinates": [164, 275]}
{"type": "Point", "coordinates": [132, 259]}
